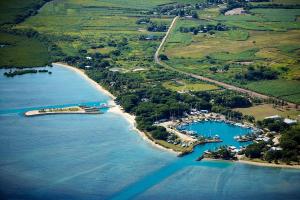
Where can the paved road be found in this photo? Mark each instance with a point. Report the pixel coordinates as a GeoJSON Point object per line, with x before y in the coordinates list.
{"type": "Point", "coordinates": [219, 83]}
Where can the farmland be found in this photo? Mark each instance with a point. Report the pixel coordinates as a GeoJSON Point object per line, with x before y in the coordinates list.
{"type": "Point", "coordinates": [76, 26]}
{"type": "Point", "coordinates": [264, 37]}
{"type": "Point", "coordinates": [92, 25]}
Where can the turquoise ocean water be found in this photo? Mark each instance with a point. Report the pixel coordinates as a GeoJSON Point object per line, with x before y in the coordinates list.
{"type": "Point", "coordinates": [101, 157]}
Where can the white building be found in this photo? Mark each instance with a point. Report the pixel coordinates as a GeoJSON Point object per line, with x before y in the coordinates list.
{"type": "Point", "coordinates": [290, 121]}
{"type": "Point", "coordinates": [204, 111]}
{"type": "Point", "coordinates": [276, 149]}
{"type": "Point", "coordinates": [273, 117]}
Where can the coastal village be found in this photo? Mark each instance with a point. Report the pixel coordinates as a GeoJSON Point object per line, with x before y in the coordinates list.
{"type": "Point", "coordinates": [190, 138]}
{"type": "Point", "coordinates": [184, 139]}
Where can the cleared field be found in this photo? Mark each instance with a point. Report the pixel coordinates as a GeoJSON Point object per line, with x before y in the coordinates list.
{"type": "Point", "coordinates": [187, 86]}
{"type": "Point", "coordinates": [264, 15]}
{"type": "Point", "coordinates": [236, 35]}
{"type": "Point", "coordinates": [209, 13]}
{"type": "Point", "coordinates": [21, 51]}
{"type": "Point", "coordinates": [265, 110]}
{"type": "Point", "coordinates": [203, 44]}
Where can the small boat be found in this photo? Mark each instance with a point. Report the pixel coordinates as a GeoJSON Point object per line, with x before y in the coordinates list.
{"type": "Point", "coordinates": [103, 105]}
{"type": "Point", "coordinates": [207, 152]}
{"type": "Point", "coordinates": [236, 137]}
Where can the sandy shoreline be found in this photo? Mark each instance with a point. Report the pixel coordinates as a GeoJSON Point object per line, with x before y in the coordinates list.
{"type": "Point", "coordinates": [260, 164]}
{"type": "Point", "coordinates": [116, 109]}
{"type": "Point", "coordinates": [92, 82]}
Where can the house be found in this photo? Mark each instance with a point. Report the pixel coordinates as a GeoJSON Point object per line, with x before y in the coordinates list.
{"type": "Point", "coordinates": [232, 148]}
{"type": "Point", "coordinates": [150, 37]}
{"type": "Point", "coordinates": [290, 121]}
{"type": "Point", "coordinates": [204, 111]}
{"type": "Point", "coordinates": [88, 58]}
{"type": "Point", "coordinates": [236, 150]}
{"type": "Point", "coordinates": [87, 67]}
{"type": "Point", "coordinates": [266, 139]}
{"type": "Point", "coordinates": [145, 100]}
{"type": "Point", "coordinates": [276, 149]}
{"type": "Point", "coordinates": [273, 117]}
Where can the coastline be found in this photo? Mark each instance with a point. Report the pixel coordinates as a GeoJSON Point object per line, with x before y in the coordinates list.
{"type": "Point", "coordinates": [81, 73]}
{"type": "Point", "coordinates": [116, 109]}
{"type": "Point", "coordinates": [260, 164]}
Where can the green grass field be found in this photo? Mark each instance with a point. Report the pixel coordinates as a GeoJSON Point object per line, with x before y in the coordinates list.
{"type": "Point", "coordinates": [188, 86]}
{"type": "Point", "coordinates": [266, 110]}
{"type": "Point", "coordinates": [235, 35]}
{"type": "Point", "coordinates": [285, 89]}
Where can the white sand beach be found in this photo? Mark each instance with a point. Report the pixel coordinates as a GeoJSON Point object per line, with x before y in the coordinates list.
{"type": "Point", "coordinates": [116, 109]}
{"type": "Point", "coordinates": [81, 72]}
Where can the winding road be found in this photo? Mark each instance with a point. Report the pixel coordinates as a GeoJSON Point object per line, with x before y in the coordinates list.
{"type": "Point", "coordinates": [202, 78]}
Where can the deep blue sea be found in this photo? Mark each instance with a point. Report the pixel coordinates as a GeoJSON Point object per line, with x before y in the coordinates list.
{"type": "Point", "coordinates": [101, 157]}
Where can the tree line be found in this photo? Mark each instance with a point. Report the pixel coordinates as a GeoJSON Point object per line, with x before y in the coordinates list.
{"type": "Point", "coordinates": [258, 73]}
{"type": "Point", "coordinates": [204, 28]}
